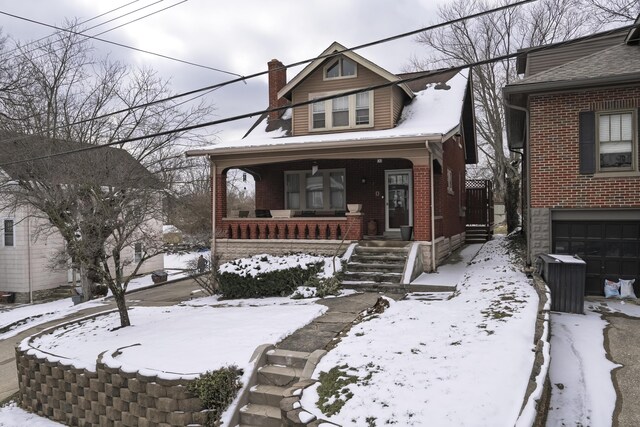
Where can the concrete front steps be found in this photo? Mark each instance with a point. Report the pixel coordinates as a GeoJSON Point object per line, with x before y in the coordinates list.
{"type": "Point", "coordinates": [377, 265]}
{"type": "Point", "coordinates": [282, 369]}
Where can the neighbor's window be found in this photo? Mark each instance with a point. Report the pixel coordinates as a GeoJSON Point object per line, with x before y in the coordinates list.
{"type": "Point", "coordinates": [9, 238]}
{"type": "Point", "coordinates": [350, 111]}
{"type": "Point", "coordinates": [324, 190]}
{"type": "Point", "coordinates": [449, 181]}
{"type": "Point", "coordinates": [342, 67]}
{"type": "Point", "coordinates": [137, 252]}
{"type": "Point", "coordinates": [616, 140]}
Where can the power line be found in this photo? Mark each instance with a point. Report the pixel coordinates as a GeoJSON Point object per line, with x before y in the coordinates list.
{"type": "Point", "coordinates": [78, 24]}
{"type": "Point", "coordinates": [119, 44]}
{"type": "Point", "coordinates": [294, 64]}
{"type": "Point", "coordinates": [418, 76]}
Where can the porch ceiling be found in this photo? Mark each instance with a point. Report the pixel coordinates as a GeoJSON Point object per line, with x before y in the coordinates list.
{"type": "Point", "coordinates": [411, 149]}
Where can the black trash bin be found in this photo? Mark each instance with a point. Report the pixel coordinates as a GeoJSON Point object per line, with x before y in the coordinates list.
{"type": "Point", "coordinates": [565, 275]}
{"type": "Point", "coordinates": [159, 276]}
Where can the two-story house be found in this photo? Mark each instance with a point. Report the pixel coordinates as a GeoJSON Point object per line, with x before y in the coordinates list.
{"type": "Point", "coordinates": [31, 250]}
{"type": "Point", "coordinates": [387, 154]}
{"type": "Point", "coordinates": [575, 118]}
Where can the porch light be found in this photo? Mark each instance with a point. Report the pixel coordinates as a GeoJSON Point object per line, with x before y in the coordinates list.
{"type": "Point", "coordinates": [314, 169]}
{"type": "Point", "coordinates": [364, 180]}
{"type": "Point", "coordinates": [379, 160]}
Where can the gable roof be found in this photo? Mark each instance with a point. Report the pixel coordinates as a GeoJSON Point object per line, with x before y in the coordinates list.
{"type": "Point", "coordinates": [106, 166]}
{"type": "Point", "coordinates": [434, 114]}
{"type": "Point", "coordinates": [334, 49]}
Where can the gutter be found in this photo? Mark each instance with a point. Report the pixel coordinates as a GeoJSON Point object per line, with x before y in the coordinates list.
{"type": "Point", "coordinates": [631, 78]}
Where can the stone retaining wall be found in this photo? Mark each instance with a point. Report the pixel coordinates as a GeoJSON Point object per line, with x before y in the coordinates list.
{"type": "Point", "coordinates": [106, 397]}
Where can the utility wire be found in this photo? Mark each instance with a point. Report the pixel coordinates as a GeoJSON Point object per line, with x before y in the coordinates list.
{"type": "Point", "coordinates": [418, 76]}
{"type": "Point", "coordinates": [294, 64]}
{"type": "Point", "coordinates": [67, 30]}
{"type": "Point", "coordinates": [77, 25]}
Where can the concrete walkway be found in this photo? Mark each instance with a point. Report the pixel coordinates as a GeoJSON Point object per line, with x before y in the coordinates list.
{"type": "Point", "coordinates": [321, 332]}
{"type": "Point", "coordinates": [161, 295]}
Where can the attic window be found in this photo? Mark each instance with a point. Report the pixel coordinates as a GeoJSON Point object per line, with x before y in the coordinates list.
{"type": "Point", "coordinates": [340, 68]}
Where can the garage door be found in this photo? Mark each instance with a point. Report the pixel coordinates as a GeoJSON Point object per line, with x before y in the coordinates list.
{"type": "Point", "coordinates": [611, 249]}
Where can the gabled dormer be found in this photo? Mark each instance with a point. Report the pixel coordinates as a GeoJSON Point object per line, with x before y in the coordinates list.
{"type": "Point", "coordinates": [338, 70]}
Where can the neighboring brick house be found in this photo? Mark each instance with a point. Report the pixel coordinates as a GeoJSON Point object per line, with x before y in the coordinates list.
{"type": "Point", "coordinates": [358, 165]}
{"type": "Point", "coordinates": [28, 244]}
{"type": "Point", "coordinates": [575, 116]}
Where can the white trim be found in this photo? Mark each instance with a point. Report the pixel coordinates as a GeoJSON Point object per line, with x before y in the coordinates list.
{"type": "Point", "coordinates": [340, 77]}
{"type": "Point", "coordinates": [13, 224]}
{"type": "Point", "coordinates": [337, 47]}
{"type": "Point", "coordinates": [634, 142]}
{"type": "Point", "coordinates": [328, 112]}
{"type": "Point", "coordinates": [386, 196]}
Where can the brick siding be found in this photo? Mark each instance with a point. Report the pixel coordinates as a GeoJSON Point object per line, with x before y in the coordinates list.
{"type": "Point", "coordinates": [555, 178]}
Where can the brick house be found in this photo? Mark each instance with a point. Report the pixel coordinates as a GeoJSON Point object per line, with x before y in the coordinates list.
{"type": "Point", "coordinates": [356, 166]}
{"type": "Point", "coordinates": [575, 117]}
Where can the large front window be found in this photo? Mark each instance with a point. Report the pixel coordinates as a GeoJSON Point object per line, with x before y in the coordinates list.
{"type": "Point", "coordinates": [616, 145]}
{"type": "Point", "coordinates": [324, 190]}
{"type": "Point", "coordinates": [346, 112]}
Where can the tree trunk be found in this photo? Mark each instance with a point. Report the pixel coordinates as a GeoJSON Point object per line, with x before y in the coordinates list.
{"type": "Point", "coordinates": [85, 284]}
{"type": "Point", "coordinates": [512, 201]}
{"type": "Point", "coordinates": [122, 308]}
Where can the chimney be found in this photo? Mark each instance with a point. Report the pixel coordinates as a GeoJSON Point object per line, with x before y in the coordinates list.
{"type": "Point", "coordinates": [277, 80]}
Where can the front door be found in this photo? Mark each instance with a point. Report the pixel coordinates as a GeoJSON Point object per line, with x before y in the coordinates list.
{"type": "Point", "coordinates": [398, 196]}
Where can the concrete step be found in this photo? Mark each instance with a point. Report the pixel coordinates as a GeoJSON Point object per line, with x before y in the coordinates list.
{"type": "Point", "coordinates": [431, 288]}
{"type": "Point", "coordinates": [270, 395]}
{"type": "Point", "coordinates": [381, 259]}
{"type": "Point", "coordinates": [371, 276]}
{"type": "Point", "coordinates": [277, 375]}
{"type": "Point", "coordinates": [380, 250]}
{"type": "Point", "coordinates": [386, 287]}
{"type": "Point", "coordinates": [260, 415]}
{"type": "Point", "coordinates": [375, 267]}
{"type": "Point", "coordinates": [296, 359]}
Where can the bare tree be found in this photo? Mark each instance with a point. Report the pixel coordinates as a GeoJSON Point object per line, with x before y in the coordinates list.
{"type": "Point", "coordinates": [101, 201]}
{"type": "Point", "coordinates": [612, 11]}
{"type": "Point", "coordinates": [487, 37]}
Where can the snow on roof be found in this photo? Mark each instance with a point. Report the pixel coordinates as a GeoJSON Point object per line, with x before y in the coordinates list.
{"type": "Point", "coordinates": [433, 112]}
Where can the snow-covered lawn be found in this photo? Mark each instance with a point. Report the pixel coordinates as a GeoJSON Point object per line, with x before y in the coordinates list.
{"type": "Point", "coordinates": [465, 361]}
{"type": "Point", "coordinates": [184, 340]}
{"type": "Point", "coordinates": [13, 416]}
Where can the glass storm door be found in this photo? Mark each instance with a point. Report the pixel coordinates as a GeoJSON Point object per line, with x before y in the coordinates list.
{"type": "Point", "coordinates": [398, 196]}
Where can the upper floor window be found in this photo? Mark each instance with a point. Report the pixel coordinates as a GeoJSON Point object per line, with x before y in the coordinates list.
{"type": "Point", "coordinates": [345, 112]}
{"type": "Point", "coordinates": [616, 147]}
{"type": "Point", "coordinates": [341, 67]}
{"type": "Point", "coordinates": [8, 235]}
{"type": "Point", "coordinates": [137, 256]}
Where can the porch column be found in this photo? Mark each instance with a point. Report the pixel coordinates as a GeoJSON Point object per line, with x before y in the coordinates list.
{"type": "Point", "coordinates": [355, 226]}
{"type": "Point", "coordinates": [421, 203]}
{"type": "Point", "coordinates": [220, 189]}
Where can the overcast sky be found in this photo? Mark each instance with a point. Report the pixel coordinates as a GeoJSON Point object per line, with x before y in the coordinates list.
{"type": "Point", "coordinates": [238, 36]}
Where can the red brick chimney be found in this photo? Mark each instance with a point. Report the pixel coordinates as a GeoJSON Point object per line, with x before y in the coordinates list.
{"type": "Point", "coordinates": [277, 80]}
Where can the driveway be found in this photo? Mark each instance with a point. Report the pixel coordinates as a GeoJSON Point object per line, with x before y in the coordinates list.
{"type": "Point", "coordinates": [161, 295]}
{"type": "Point", "coordinates": [621, 342]}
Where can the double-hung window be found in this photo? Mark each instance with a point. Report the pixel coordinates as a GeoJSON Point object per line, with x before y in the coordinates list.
{"type": "Point", "coordinates": [324, 190]}
{"type": "Point", "coordinates": [616, 141]}
{"type": "Point", "coordinates": [345, 112]}
{"type": "Point", "coordinates": [8, 235]}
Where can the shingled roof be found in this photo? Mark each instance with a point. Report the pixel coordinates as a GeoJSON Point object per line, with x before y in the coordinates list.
{"type": "Point", "coordinates": [107, 166]}
{"type": "Point", "coordinates": [619, 60]}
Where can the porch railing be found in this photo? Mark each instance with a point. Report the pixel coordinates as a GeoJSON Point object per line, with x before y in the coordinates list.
{"type": "Point", "coordinates": [299, 228]}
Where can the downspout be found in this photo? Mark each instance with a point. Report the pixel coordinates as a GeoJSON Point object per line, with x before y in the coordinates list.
{"type": "Point", "coordinates": [528, 172]}
{"type": "Point", "coordinates": [29, 276]}
{"type": "Point", "coordinates": [212, 172]}
{"type": "Point", "coordinates": [433, 212]}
